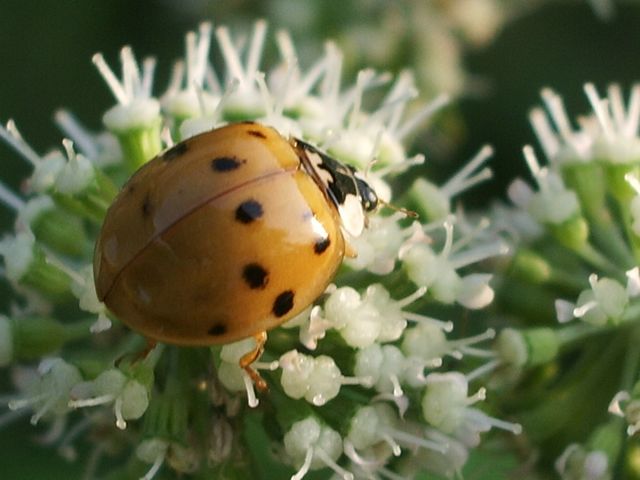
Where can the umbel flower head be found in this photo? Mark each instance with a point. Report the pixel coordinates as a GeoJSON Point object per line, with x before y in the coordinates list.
{"type": "Point", "coordinates": [580, 272]}
{"type": "Point", "coordinates": [367, 381]}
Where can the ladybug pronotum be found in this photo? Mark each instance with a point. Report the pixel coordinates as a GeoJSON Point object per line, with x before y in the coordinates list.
{"type": "Point", "coordinates": [227, 235]}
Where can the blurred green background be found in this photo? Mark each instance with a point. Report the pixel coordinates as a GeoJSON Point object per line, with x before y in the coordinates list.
{"type": "Point", "coordinates": [46, 49]}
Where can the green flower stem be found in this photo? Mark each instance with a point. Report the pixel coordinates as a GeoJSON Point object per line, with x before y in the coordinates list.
{"type": "Point", "coordinates": [287, 410]}
{"type": "Point", "coordinates": [154, 356]}
{"type": "Point", "coordinates": [530, 301]}
{"type": "Point", "coordinates": [533, 267]}
{"type": "Point", "coordinates": [46, 278]}
{"type": "Point", "coordinates": [263, 463]}
{"type": "Point", "coordinates": [168, 414]}
{"type": "Point", "coordinates": [93, 202]}
{"type": "Point", "coordinates": [573, 234]}
{"type": "Point", "coordinates": [242, 114]}
{"type": "Point", "coordinates": [140, 145]}
{"type": "Point", "coordinates": [582, 394]}
{"type": "Point", "coordinates": [597, 260]}
{"type": "Point", "coordinates": [35, 337]}
{"type": "Point", "coordinates": [631, 364]}
{"type": "Point", "coordinates": [229, 471]}
{"type": "Point", "coordinates": [99, 196]}
{"type": "Point", "coordinates": [608, 438]}
{"type": "Point", "coordinates": [632, 313]}
{"type": "Point", "coordinates": [632, 237]}
{"type": "Point", "coordinates": [608, 238]}
{"type": "Point", "coordinates": [587, 180]}
{"type": "Point", "coordinates": [280, 340]}
{"type": "Point", "coordinates": [62, 232]}
{"type": "Point", "coordinates": [335, 347]}
{"type": "Point", "coordinates": [577, 332]}
{"type": "Point", "coordinates": [617, 186]}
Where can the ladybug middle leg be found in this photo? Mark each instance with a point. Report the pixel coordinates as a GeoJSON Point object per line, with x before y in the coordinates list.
{"type": "Point", "coordinates": [250, 357]}
{"type": "Point", "coordinates": [138, 355]}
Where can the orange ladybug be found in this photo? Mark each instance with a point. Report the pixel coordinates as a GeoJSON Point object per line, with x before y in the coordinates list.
{"type": "Point", "coordinates": [227, 235]}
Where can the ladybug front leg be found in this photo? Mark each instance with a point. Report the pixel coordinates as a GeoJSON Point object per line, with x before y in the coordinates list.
{"type": "Point", "coordinates": [250, 357]}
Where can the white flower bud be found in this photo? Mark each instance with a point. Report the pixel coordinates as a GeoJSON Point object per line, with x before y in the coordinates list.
{"type": "Point", "coordinates": [445, 400]}
{"type": "Point", "coordinates": [233, 352]}
{"type": "Point", "coordinates": [47, 171]}
{"type": "Point", "coordinates": [577, 462]}
{"type": "Point", "coordinates": [49, 393]}
{"type": "Point", "coordinates": [390, 315]}
{"type": "Point", "coordinates": [317, 379]}
{"type": "Point", "coordinates": [358, 322]}
{"type": "Point", "coordinates": [149, 450]}
{"type": "Point", "coordinates": [605, 301]}
{"type": "Point", "coordinates": [313, 446]}
{"type": "Point", "coordinates": [230, 375]}
{"type": "Point", "coordinates": [426, 341]}
{"type": "Point", "coordinates": [324, 381]}
{"type": "Point", "coordinates": [378, 245]}
{"type": "Point", "coordinates": [141, 113]}
{"type": "Point", "coordinates": [85, 290]}
{"type": "Point", "coordinates": [367, 427]}
{"type": "Point", "coordinates": [296, 372]}
{"type": "Point", "coordinates": [384, 365]}
{"type": "Point", "coordinates": [129, 397]}
{"type": "Point", "coordinates": [512, 348]}
{"type": "Point", "coordinates": [152, 451]}
{"type": "Point", "coordinates": [433, 199]}
{"type": "Point", "coordinates": [33, 209]}
{"type": "Point", "coordinates": [77, 174]}
{"type": "Point", "coordinates": [474, 291]}
{"type": "Point", "coordinates": [18, 254]}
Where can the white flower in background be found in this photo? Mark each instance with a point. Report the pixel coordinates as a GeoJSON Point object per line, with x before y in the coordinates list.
{"type": "Point", "coordinates": [438, 271]}
{"type": "Point", "coordinates": [136, 108]}
{"type": "Point", "coordinates": [575, 462]}
{"type": "Point", "coordinates": [49, 393]}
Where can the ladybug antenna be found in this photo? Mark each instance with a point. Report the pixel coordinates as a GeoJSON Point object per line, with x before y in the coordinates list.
{"type": "Point", "coordinates": [405, 211]}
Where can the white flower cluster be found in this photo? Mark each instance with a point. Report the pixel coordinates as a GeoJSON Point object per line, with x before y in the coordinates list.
{"type": "Point", "coordinates": [362, 344]}
{"type": "Point", "coordinates": [587, 243]}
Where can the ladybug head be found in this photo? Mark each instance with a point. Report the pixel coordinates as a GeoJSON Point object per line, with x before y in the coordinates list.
{"type": "Point", "coordinates": [368, 196]}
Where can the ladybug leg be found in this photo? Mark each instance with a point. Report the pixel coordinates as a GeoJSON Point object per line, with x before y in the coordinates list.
{"type": "Point", "coordinates": [151, 344]}
{"type": "Point", "coordinates": [250, 357]}
{"type": "Point", "coordinates": [139, 355]}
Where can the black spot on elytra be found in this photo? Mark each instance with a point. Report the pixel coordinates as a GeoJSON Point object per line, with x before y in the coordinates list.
{"type": "Point", "coordinates": [217, 329]}
{"type": "Point", "coordinates": [248, 211]}
{"type": "Point", "coordinates": [225, 164]}
{"type": "Point", "coordinates": [321, 245]}
{"type": "Point", "coordinates": [175, 151]}
{"type": "Point", "coordinates": [283, 303]}
{"type": "Point", "coordinates": [146, 206]}
{"type": "Point", "coordinates": [256, 133]}
{"type": "Point", "coordinates": [255, 275]}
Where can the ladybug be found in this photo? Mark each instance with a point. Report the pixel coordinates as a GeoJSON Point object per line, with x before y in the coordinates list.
{"type": "Point", "coordinates": [227, 235]}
